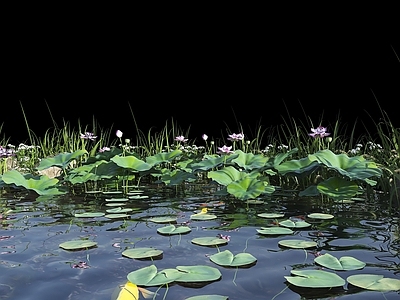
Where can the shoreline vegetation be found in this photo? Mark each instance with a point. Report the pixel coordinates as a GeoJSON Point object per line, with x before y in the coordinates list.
{"type": "Point", "coordinates": [307, 158]}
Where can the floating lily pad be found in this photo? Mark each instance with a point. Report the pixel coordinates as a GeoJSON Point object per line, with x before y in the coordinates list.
{"type": "Point", "coordinates": [115, 204]}
{"type": "Point", "coordinates": [274, 230]}
{"type": "Point", "coordinates": [118, 210]}
{"type": "Point", "coordinates": [117, 199]}
{"type": "Point", "coordinates": [203, 217]}
{"type": "Point", "coordinates": [208, 297]}
{"type": "Point", "coordinates": [374, 282]}
{"type": "Point", "coordinates": [149, 276]}
{"type": "Point", "coordinates": [162, 219]}
{"type": "Point", "coordinates": [116, 216]}
{"type": "Point", "coordinates": [320, 216]}
{"type": "Point", "coordinates": [254, 201]}
{"type": "Point", "coordinates": [344, 263]}
{"type": "Point", "coordinates": [209, 241]}
{"type": "Point", "coordinates": [227, 259]}
{"type": "Point", "coordinates": [198, 273]}
{"type": "Point", "coordinates": [271, 215]}
{"type": "Point", "coordinates": [294, 224]}
{"type": "Point", "coordinates": [143, 252]}
{"type": "Point", "coordinates": [89, 215]}
{"type": "Point", "coordinates": [297, 244]}
{"type": "Point", "coordinates": [77, 245]}
{"type": "Point", "coordinates": [133, 197]}
{"type": "Point", "coordinates": [112, 192]}
{"type": "Point", "coordinates": [315, 279]}
{"type": "Point", "coordinates": [172, 229]}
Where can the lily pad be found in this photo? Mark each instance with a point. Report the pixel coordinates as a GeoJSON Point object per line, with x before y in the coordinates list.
{"type": "Point", "coordinates": [374, 282]}
{"type": "Point", "coordinates": [172, 229]}
{"type": "Point", "coordinates": [198, 273]}
{"type": "Point", "coordinates": [116, 216]}
{"type": "Point", "coordinates": [271, 215]}
{"type": "Point", "coordinates": [315, 279]}
{"type": "Point", "coordinates": [118, 210]}
{"type": "Point", "coordinates": [140, 253]}
{"type": "Point", "coordinates": [115, 204]}
{"type": "Point", "coordinates": [78, 245]}
{"type": "Point", "coordinates": [294, 224]}
{"type": "Point", "coordinates": [208, 297]}
{"type": "Point", "coordinates": [320, 216]}
{"type": "Point", "coordinates": [227, 259]}
{"type": "Point", "coordinates": [209, 241]}
{"type": "Point", "coordinates": [274, 230]}
{"type": "Point", "coordinates": [112, 192]}
{"type": "Point", "coordinates": [297, 244]}
{"type": "Point", "coordinates": [134, 197]}
{"type": "Point", "coordinates": [149, 276]}
{"type": "Point", "coordinates": [344, 263]}
{"type": "Point", "coordinates": [162, 219]}
{"type": "Point", "coordinates": [203, 217]}
{"type": "Point", "coordinates": [117, 199]}
{"type": "Point", "coordinates": [89, 215]}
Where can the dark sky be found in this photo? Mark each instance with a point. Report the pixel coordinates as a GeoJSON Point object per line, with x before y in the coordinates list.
{"type": "Point", "coordinates": [207, 83]}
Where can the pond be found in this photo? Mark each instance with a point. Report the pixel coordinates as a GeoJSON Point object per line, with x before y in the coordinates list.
{"type": "Point", "coordinates": [33, 265]}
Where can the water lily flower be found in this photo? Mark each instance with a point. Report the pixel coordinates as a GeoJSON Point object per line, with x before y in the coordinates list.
{"type": "Point", "coordinates": [180, 138]}
{"type": "Point", "coordinates": [225, 237]}
{"type": "Point", "coordinates": [88, 136]}
{"type": "Point", "coordinates": [80, 265]}
{"type": "Point", "coordinates": [236, 137]}
{"type": "Point", "coordinates": [119, 133]}
{"type": "Point", "coordinates": [204, 137]}
{"type": "Point", "coordinates": [319, 132]}
{"type": "Point", "coordinates": [225, 150]}
{"type": "Point", "coordinates": [104, 149]}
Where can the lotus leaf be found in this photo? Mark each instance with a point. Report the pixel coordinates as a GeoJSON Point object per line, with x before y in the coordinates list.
{"type": "Point", "coordinates": [274, 230]}
{"type": "Point", "coordinates": [271, 215]}
{"type": "Point", "coordinates": [172, 229]}
{"type": "Point", "coordinates": [227, 259]}
{"type": "Point", "coordinates": [89, 214]}
{"type": "Point", "coordinates": [162, 219]}
{"type": "Point", "coordinates": [116, 216]}
{"type": "Point", "coordinates": [344, 263]}
{"type": "Point", "coordinates": [320, 216]}
{"type": "Point", "coordinates": [297, 244]}
{"type": "Point", "coordinates": [203, 217]}
{"type": "Point", "coordinates": [208, 297]}
{"type": "Point", "coordinates": [77, 245]}
{"type": "Point", "coordinates": [143, 252]}
{"type": "Point", "coordinates": [198, 273]}
{"type": "Point", "coordinates": [374, 282]}
{"type": "Point", "coordinates": [294, 224]}
{"type": "Point", "coordinates": [149, 276]}
{"type": "Point", "coordinates": [315, 279]}
{"type": "Point", "coordinates": [209, 241]}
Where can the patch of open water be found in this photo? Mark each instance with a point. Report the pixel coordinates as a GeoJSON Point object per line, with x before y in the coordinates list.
{"type": "Point", "coordinates": [33, 266]}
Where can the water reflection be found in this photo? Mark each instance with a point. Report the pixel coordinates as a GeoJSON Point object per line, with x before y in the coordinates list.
{"type": "Point", "coordinates": [33, 266]}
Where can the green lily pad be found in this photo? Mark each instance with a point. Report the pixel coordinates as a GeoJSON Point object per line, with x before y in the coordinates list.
{"type": "Point", "coordinates": [133, 197]}
{"type": "Point", "coordinates": [294, 224]}
{"type": "Point", "coordinates": [119, 210]}
{"type": "Point", "coordinates": [140, 253]}
{"type": "Point", "coordinates": [271, 215]}
{"type": "Point", "coordinates": [115, 204]}
{"type": "Point", "coordinates": [374, 282]}
{"type": "Point", "coordinates": [297, 244]}
{"type": "Point", "coordinates": [162, 219]}
{"type": "Point", "coordinates": [172, 229]}
{"type": "Point", "coordinates": [320, 216]}
{"type": "Point", "coordinates": [149, 276]}
{"type": "Point", "coordinates": [116, 216]}
{"type": "Point", "coordinates": [315, 279]}
{"type": "Point", "coordinates": [344, 263]}
{"type": "Point", "coordinates": [77, 245]}
{"type": "Point", "coordinates": [117, 199]}
{"type": "Point", "coordinates": [227, 259]}
{"type": "Point", "coordinates": [112, 192]}
{"type": "Point", "coordinates": [209, 241]}
{"type": "Point", "coordinates": [208, 297]}
{"type": "Point", "coordinates": [198, 273]}
{"type": "Point", "coordinates": [274, 230]}
{"type": "Point", "coordinates": [89, 214]}
{"type": "Point", "coordinates": [203, 217]}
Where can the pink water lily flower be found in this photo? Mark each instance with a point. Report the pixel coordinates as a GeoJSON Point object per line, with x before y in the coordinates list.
{"type": "Point", "coordinates": [204, 137]}
{"type": "Point", "coordinates": [119, 133]}
{"type": "Point", "coordinates": [225, 150]}
{"type": "Point", "coordinates": [236, 137]}
{"type": "Point", "coordinates": [88, 136]}
{"type": "Point", "coordinates": [180, 138]}
{"type": "Point", "coordinates": [319, 132]}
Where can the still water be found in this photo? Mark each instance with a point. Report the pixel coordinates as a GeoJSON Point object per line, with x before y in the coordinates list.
{"type": "Point", "coordinates": [34, 266]}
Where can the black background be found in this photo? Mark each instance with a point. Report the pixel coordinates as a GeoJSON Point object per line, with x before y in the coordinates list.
{"type": "Point", "coordinates": [206, 81]}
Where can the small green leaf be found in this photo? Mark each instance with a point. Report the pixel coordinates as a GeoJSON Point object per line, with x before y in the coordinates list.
{"type": "Point", "coordinates": [89, 214]}
{"type": "Point", "coordinates": [77, 245]}
{"type": "Point", "coordinates": [209, 241]}
{"type": "Point", "coordinates": [297, 244]}
{"type": "Point", "coordinates": [374, 282]}
{"type": "Point", "coordinates": [315, 279]}
{"type": "Point", "coordinates": [203, 217]}
{"type": "Point", "coordinates": [344, 263]}
{"type": "Point", "coordinates": [208, 297]}
{"type": "Point", "coordinates": [162, 219]}
{"type": "Point", "coordinates": [198, 273]}
{"type": "Point", "coordinates": [271, 215]}
{"type": "Point", "coordinates": [143, 252]}
{"type": "Point", "coordinates": [293, 224]}
{"type": "Point", "coordinates": [274, 230]}
{"type": "Point", "coordinates": [172, 229]}
{"type": "Point", "coordinates": [226, 258]}
{"type": "Point", "coordinates": [320, 216]}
